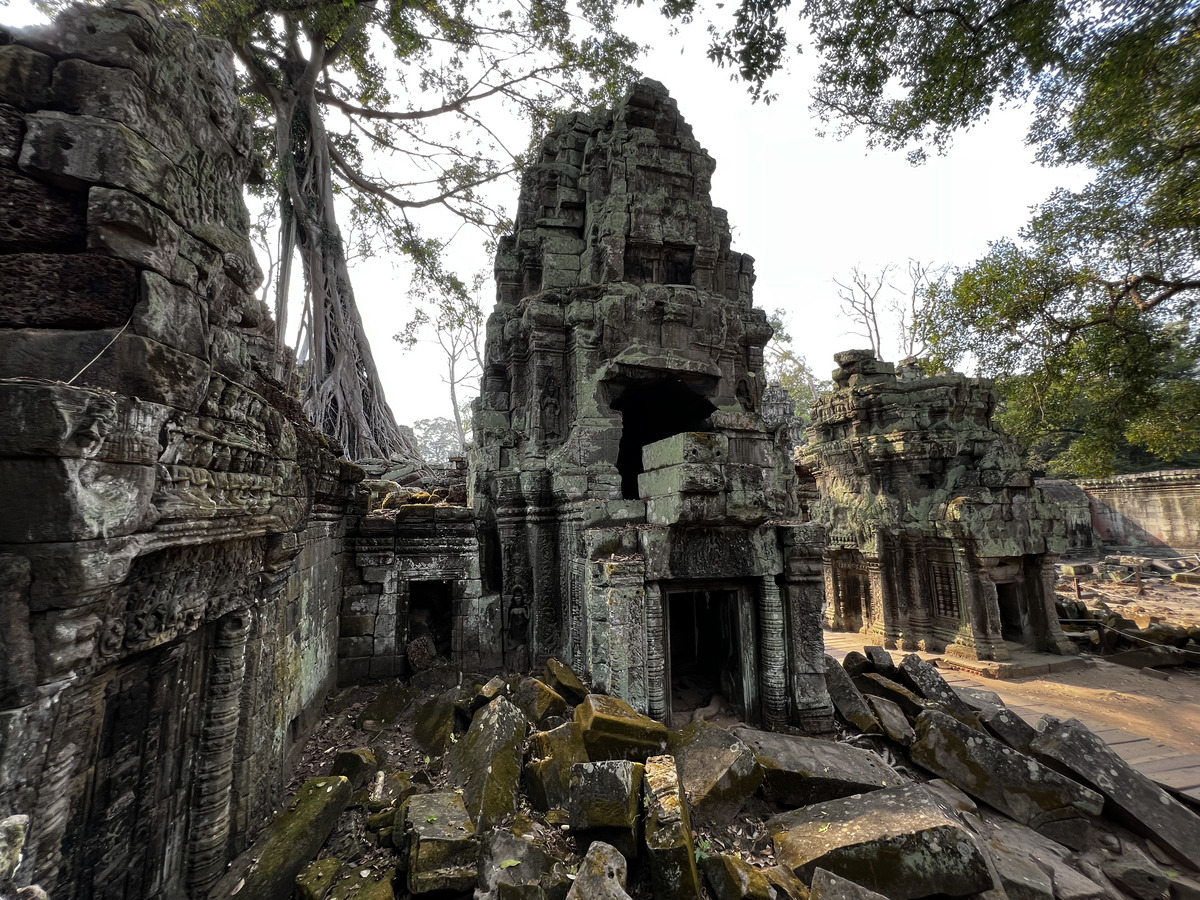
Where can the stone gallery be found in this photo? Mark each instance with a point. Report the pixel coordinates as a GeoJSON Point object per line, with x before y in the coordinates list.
{"type": "Point", "coordinates": [188, 570]}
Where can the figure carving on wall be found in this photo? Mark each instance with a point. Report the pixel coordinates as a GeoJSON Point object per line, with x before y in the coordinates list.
{"type": "Point", "coordinates": [551, 409]}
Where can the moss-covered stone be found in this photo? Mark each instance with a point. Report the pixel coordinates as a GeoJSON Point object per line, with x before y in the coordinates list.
{"type": "Point", "coordinates": [562, 679]}
{"type": "Point", "coordinates": [732, 878]}
{"type": "Point", "coordinates": [269, 869]}
{"type": "Point", "coordinates": [612, 729]}
{"type": "Point", "coordinates": [358, 766]}
{"type": "Point", "coordinates": [316, 879]}
{"type": "Point", "coordinates": [602, 874]}
{"type": "Point", "coordinates": [898, 841]}
{"type": "Point", "coordinates": [800, 770]}
{"type": "Point", "coordinates": [538, 701]}
{"type": "Point", "coordinates": [548, 772]}
{"type": "Point", "coordinates": [720, 773]}
{"type": "Point", "coordinates": [436, 722]}
{"type": "Point", "coordinates": [847, 699]}
{"type": "Point", "coordinates": [441, 843]}
{"type": "Point", "coordinates": [827, 886]}
{"type": "Point", "coordinates": [363, 884]}
{"type": "Point", "coordinates": [487, 762]}
{"type": "Point", "coordinates": [605, 802]}
{"type": "Point", "coordinates": [668, 832]}
{"type": "Point", "coordinates": [387, 706]}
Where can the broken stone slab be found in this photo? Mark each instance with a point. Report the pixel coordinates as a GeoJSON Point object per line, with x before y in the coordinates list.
{"type": "Point", "coordinates": [1135, 873]}
{"type": "Point", "coordinates": [827, 886]}
{"type": "Point", "coordinates": [1017, 785]}
{"type": "Point", "coordinates": [436, 722]}
{"type": "Point", "coordinates": [268, 870]}
{"type": "Point", "coordinates": [787, 885]}
{"type": "Point", "coordinates": [612, 729]}
{"type": "Point", "coordinates": [562, 679]}
{"type": "Point", "coordinates": [892, 719]}
{"type": "Point", "coordinates": [1012, 841]}
{"type": "Point", "coordinates": [386, 707]}
{"type": "Point", "coordinates": [924, 680]}
{"type": "Point", "coordinates": [315, 880]}
{"type": "Point", "coordinates": [881, 661]}
{"type": "Point", "coordinates": [1009, 727]}
{"type": "Point", "coordinates": [516, 858]}
{"type": "Point", "coordinates": [1148, 657]}
{"type": "Point", "coordinates": [979, 700]}
{"type": "Point", "coordinates": [801, 770]}
{"type": "Point", "coordinates": [358, 766]}
{"type": "Point", "coordinates": [856, 664]}
{"type": "Point", "coordinates": [876, 685]}
{"type": "Point", "coordinates": [668, 832]}
{"type": "Point", "coordinates": [548, 772]}
{"type": "Point", "coordinates": [602, 874]}
{"type": "Point", "coordinates": [1130, 797]}
{"type": "Point", "coordinates": [13, 832]}
{"type": "Point", "coordinates": [605, 803]}
{"type": "Point", "coordinates": [847, 699]}
{"type": "Point", "coordinates": [720, 773]}
{"type": "Point", "coordinates": [732, 878]}
{"type": "Point", "coordinates": [442, 845]}
{"type": "Point", "coordinates": [359, 883]}
{"type": "Point", "coordinates": [538, 701]}
{"type": "Point", "coordinates": [897, 841]}
{"type": "Point", "coordinates": [487, 762]}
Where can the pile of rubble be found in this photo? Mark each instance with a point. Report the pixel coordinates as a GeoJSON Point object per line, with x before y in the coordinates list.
{"type": "Point", "coordinates": [536, 788]}
{"type": "Point", "coordinates": [1138, 611]}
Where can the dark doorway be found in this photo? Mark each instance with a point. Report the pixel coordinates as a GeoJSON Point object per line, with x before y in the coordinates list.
{"type": "Point", "coordinates": [649, 413]}
{"type": "Point", "coordinates": [705, 652]}
{"type": "Point", "coordinates": [854, 600]}
{"type": "Point", "coordinates": [431, 613]}
{"type": "Point", "coordinates": [1014, 619]}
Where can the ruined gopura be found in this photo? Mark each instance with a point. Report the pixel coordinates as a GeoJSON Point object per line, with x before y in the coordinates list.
{"type": "Point", "coordinates": [187, 569]}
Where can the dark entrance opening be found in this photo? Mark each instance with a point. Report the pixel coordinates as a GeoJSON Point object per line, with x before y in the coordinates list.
{"type": "Point", "coordinates": [1014, 620]}
{"type": "Point", "coordinates": [649, 413]}
{"type": "Point", "coordinates": [855, 600]}
{"type": "Point", "coordinates": [705, 652]}
{"type": "Point", "coordinates": [431, 613]}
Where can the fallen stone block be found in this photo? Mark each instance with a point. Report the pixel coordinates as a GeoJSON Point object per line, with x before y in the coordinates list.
{"type": "Point", "coordinates": [1009, 727]}
{"type": "Point", "coordinates": [436, 720]}
{"type": "Point", "coordinates": [1130, 797]}
{"type": "Point", "coordinates": [856, 664]}
{"type": "Point", "coordinates": [516, 858]}
{"type": "Point", "coordinates": [787, 885]}
{"type": "Point", "coordinates": [1018, 845]}
{"type": "Point", "coordinates": [548, 771]}
{"type": "Point", "coordinates": [601, 876]}
{"type": "Point", "coordinates": [537, 701]}
{"type": "Point", "coordinates": [892, 719]}
{"type": "Point", "coordinates": [268, 870]}
{"type": "Point", "coordinates": [315, 880]}
{"type": "Point", "coordinates": [668, 832]}
{"type": "Point", "coordinates": [720, 773]}
{"type": "Point", "coordinates": [924, 680]}
{"type": "Point", "coordinates": [732, 878]}
{"type": "Point", "coordinates": [562, 679]}
{"type": "Point", "coordinates": [993, 772]}
{"type": "Point", "coordinates": [800, 770]}
{"type": "Point", "coordinates": [881, 661]}
{"type": "Point", "coordinates": [827, 886]}
{"type": "Point", "coordinates": [487, 762]}
{"type": "Point", "coordinates": [1136, 874]}
{"type": "Point", "coordinates": [605, 803]}
{"type": "Point", "coordinates": [386, 707]}
{"type": "Point", "coordinates": [897, 841]}
{"type": "Point", "coordinates": [442, 845]}
{"type": "Point", "coordinates": [1148, 657]}
{"type": "Point", "coordinates": [358, 766]}
{"type": "Point", "coordinates": [355, 883]}
{"type": "Point", "coordinates": [612, 729]}
{"type": "Point", "coordinates": [847, 699]}
{"type": "Point", "coordinates": [876, 685]}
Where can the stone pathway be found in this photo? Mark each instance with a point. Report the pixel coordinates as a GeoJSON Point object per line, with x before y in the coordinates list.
{"type": "Point", "coordinates": [1172, 767]}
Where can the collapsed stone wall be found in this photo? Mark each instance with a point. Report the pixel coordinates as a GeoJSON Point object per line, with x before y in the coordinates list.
{"type": "Point", "coordinates": [173, 531]}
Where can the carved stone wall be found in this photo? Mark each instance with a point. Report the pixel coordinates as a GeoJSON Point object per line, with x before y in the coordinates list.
{"type": "Point", "coordinates": [1150, 509]}
{"type": "Point", "coordinates": [172, 538]}
{"type": "Point", "coordinates": [937, 536]}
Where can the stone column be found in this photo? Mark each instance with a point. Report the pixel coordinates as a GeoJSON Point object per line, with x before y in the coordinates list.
{"type": "Point", "coordinates": [209, 821]}
{"type": "Point", "coordinates": [920, 619]}
{"type": "Point", "coordinates": [879, 625]}
{"type": "Point", "coordinates": [1054, 640]}
{"type": "Point", "coordinates": [807, 575]}
{"type": "Point", "coordinates": [657, 694]}
{"type": "Point", "coordinates": [774, 654]}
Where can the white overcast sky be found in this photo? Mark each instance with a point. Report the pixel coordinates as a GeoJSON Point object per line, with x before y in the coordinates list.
{"type": "Point", "coordinates": [807, 208]}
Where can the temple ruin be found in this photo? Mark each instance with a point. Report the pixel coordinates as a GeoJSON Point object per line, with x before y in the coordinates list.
{"type": "Point", "coordinates": [188, 569]}
{"type": "Point", "coordinates": [937, 537]}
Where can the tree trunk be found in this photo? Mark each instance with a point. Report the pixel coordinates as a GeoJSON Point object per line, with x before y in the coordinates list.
{"type": "Point", "coordinates": [343, 397]}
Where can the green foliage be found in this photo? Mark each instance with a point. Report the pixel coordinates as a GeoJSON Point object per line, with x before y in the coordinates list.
{"type": "Point", "coordinates": [786, 368]}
